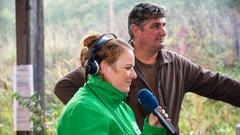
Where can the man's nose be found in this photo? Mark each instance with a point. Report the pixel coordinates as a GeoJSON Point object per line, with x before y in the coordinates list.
{"type": "Point", "coordinates": [163, 31]}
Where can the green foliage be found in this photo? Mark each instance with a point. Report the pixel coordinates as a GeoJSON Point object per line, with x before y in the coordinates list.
{"type": "Point", "coordinates": [32, 103]}
{"type": "Point", "coordinates": [6, 112]}
{"type": "Point", "coordinates": [203, 116]}
{"type": "Point", "coordinates": [53, 112]}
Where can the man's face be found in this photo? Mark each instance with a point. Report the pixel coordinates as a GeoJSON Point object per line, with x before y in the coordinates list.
{"type": "Point", "coordinates": [152, 34]}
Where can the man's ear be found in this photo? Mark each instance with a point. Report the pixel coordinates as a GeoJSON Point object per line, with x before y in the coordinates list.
{"type": "Point", "coordinates": [135, 30]}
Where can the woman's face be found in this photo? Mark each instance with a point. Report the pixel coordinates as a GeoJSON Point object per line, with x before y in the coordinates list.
{"type": "Point", "coordinates": [121, 73]}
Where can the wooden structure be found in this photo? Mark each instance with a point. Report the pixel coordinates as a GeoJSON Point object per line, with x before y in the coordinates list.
{"type": "Point", "coordinates": [30, 43]}
{"type": "Point", "coordinates": [238, 129]}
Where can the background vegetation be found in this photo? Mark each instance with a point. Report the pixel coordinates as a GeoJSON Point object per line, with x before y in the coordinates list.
{"type": "Point", "coordinates": [204, 31]}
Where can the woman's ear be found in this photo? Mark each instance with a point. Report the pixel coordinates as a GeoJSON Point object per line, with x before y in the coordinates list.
{"type": "Point", "coordinates": [104, 68]}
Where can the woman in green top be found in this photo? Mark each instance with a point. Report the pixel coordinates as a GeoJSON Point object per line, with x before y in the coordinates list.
{"type": "Point", "coordinates": [98, 108]}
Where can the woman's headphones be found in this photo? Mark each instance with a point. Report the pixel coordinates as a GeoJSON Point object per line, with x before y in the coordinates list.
{"type": "Point", "coordinates": [92, 65]}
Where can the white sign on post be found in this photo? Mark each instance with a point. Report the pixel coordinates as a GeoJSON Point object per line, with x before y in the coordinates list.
{"type": "Point", "coordinates": [23, 85]}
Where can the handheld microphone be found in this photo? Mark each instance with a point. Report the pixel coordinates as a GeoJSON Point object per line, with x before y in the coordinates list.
{"type": "Point", "coordinates": [150, 103]}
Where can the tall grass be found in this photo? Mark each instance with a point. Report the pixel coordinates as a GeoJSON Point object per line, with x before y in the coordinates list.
{"type": "Point", "coordinates": [6, 112]}
{"type": "Point", "coordinates": [202, 116]}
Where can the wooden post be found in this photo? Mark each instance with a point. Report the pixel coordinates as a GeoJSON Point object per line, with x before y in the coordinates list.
{"type": "Point", "coordinates": [111, 15]}
{"type": "Point", "coordinates": [30, 43]}
{"type": "Point", "coordinates": [37, 42]}
{"type": "Point", "coordinates": [236, 22]}
{"type": "Point", "coordinates": [238, 129]}
{"type": "Point", "coordinates": [22, 33]}
{"type": "Point", "coordinates": [237, 29]}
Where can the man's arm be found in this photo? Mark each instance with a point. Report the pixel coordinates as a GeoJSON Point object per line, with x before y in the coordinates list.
{"type": "Point", "coordinates": [69, 84]}
{"type": "Point", "coordinates": [213, 85]}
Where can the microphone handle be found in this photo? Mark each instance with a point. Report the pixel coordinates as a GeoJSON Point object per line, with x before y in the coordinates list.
{"type": "Point", "coordinates": [166, 124]}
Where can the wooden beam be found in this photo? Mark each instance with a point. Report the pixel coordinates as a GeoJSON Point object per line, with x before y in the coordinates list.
{"type": "Point", "coordinates": [22, 32]}
{"type": "Point", "coordinates": [30, 43]}
{"type": "Point", "coordinates": [238, 129]}
{"type": "Point", "coordinates": [22, 36]}
{"type": "Point", "coordinates": [236, 22]}
{"type": "Point", "coordinates": [37, 41]}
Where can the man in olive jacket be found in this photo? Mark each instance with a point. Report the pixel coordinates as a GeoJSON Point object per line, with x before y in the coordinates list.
{"type": "Point", "coordinates": [168, 75]}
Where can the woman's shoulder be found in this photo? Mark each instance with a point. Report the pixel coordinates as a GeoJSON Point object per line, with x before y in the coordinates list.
{"type": "Point", "coordinates": [83, 98]}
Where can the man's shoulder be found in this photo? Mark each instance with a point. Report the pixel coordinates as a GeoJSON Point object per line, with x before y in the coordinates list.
{"type": "Point", "coordinates": [79, 71]}
{"type": "Point", "coordinates": [76, 76]}
{"type": "Point", "coordinates": [171, 55]}
{"type": "Point", "coordinates": [75, 73]}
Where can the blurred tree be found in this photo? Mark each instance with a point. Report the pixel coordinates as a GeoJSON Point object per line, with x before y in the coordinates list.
{"type": "Point", "coordinates": [7, 21]}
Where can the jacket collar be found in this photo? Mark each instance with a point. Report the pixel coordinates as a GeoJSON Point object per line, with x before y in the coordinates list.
{"type": "Point", "coordinates": [104, 90]}
{"type": "Point", "coordinates": [164, 57]}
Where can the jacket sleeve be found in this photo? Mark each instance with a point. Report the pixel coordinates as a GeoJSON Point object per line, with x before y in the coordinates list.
{"type": "Point", "coordinates": [212, 85]}
{"type": "Point", "coordinates": [69, 84]}
{"type": "Point", "coordinates": [151, 130]}
{"type": "Point", "coordinates": [77, 122]}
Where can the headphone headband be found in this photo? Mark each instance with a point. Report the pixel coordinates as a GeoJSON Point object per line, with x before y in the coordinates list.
{"type": "Point", "coordinates": [102, 41]}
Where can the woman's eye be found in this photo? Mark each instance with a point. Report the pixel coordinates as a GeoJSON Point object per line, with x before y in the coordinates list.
{"type": "Point", "coordinates": [128, 67]}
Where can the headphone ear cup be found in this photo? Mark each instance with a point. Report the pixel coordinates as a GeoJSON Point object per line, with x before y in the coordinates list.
{"type": "Point", "coordinates": [92, 67]}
